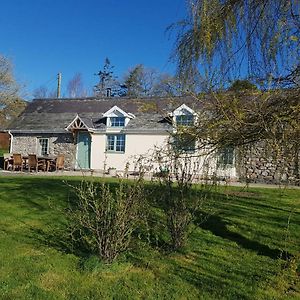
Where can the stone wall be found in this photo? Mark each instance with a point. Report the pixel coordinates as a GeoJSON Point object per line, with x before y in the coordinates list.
{"type": "Point", "coordinates": [258, 163]}
{"type": "Point", "coordinates": [62, 143]}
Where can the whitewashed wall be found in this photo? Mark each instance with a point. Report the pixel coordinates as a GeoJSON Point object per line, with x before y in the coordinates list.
{"type": "Point", "coordinates": [143, 144]}
{"type": "Point", "coordinates": [136, 144]}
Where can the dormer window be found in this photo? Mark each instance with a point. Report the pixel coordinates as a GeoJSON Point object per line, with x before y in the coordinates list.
{"type": "Point", "coordinates": [117, 121]}
{"type": "Point", "coordinates": [185, 120]}
{"type": "Point", "coordinates": [183, 116]}
{"type": "Point", "coordinates": [117, 118]}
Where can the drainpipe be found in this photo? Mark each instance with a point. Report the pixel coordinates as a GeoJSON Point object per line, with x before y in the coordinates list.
{"type": "Point", "coordinates": [11, 141]}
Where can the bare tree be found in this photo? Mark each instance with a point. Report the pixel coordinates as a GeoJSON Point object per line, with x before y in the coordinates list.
{"type": "Point", "coordinates": [141, 81]}
{"type": "Point", "coordinates": [104, 217]}
{"type": "Point", "coordinates": [40, 92]}
{"type": "Point", "coordinates": [8, 87]}
{"type": "Point", "coordinates": [10, 103]}
{"type": "Point", "coordinates": [75, 87]}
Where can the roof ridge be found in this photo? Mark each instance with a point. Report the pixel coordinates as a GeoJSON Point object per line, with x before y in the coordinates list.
{"type": "Point", "coordinates": [112, 98]}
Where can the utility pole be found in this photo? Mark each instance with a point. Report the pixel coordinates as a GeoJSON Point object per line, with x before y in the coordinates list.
{"type": "Point", "coordinates": [58, 85]}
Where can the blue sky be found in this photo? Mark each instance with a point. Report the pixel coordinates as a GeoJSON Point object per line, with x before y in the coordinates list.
{"type": "Point", "coordinates": [44, 37]}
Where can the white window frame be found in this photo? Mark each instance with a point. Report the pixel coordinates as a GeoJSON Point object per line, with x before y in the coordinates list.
{"type": "Point", "coordinates": [40, 146]}
{"type": "Point", "coordinates": [115, 142]}
{"type": "Point", "coordinates": [183, 110]}
{"type": "Point", "coordinates": [117, 122]}
{"type": "Point", "coordinates": [116, 112]}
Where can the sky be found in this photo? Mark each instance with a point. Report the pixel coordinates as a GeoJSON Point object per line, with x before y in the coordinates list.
{"type": "Point", "coordinates": [44, 37]}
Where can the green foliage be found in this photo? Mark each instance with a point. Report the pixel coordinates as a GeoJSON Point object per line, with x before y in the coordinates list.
{"type": "Point", "coordinates": [233, 255]}
{"type": "Point", "coordinates": [135, 82]}
{"type": "Point", "coordinates": [148, 106]}
{"type": "Point", "coordinates": [242, 85]}
{"type": "Point", "coordinates": [223, 39]}
{"type": "Point", "coordinates": [248, 120]}
{"type": "Point", "coordinates": [2, 151]}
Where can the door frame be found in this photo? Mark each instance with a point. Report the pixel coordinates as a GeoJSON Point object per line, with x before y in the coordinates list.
{"type": "Point", "coordinates": [76, 161]}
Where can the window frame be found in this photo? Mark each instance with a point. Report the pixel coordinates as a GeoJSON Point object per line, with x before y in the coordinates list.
{"type": "Point", "coordinates": [117, 141]}
{"type": "Point", "coordinates": [117, 122]}
{"type": "Point", "coordinates": [226, 157]}
{"type": "Point", "coordinates": [184, 143]}
{"type": "Point", "coordinates": [181, 122]}
{"type": "Point", "coordinates": [41, 146]}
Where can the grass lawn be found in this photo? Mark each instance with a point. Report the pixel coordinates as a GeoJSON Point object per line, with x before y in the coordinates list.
{"type": "Point", "coordinates": [233, 255]}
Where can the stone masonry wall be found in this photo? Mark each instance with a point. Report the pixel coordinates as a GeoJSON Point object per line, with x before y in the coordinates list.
{"type": "Point", "coordinates": [62, 143]}
{"type": "Point", "coordinates": [258, 164]}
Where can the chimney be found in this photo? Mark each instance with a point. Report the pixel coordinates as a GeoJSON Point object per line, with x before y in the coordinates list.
{"type": "Point", "coordinates": [108, 92]}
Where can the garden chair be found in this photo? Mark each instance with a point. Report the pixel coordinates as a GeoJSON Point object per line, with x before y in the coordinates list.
{"type": "Point", "coordinates": [17, 162]}
{"type": "Point", "coordinates": [7, 161]}
{"type": "Point", "coordinates": [34, 163]}
{"type": "Point", "coordinates": [57, 164]}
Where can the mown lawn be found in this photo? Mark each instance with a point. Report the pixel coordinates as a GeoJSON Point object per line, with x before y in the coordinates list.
{"type": "Point", "coordinates": [233, 255]}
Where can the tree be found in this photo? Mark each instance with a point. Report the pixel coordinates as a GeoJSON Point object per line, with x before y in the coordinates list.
{"type": "Point", "coordinates": [11, 111]}
{"type": "Point", "coordinates": [224, 39]}
{"type": "Point", "coordinates": [10, 103]}
{"type": "Point", "coordinates": [8, 87]}
{"type": "Point", "coordinates": [167, 86]}
{"type": "Point", "coordinates": [40, 92]}
{"type": "Point", "coordinates": [75, 87]}
{"type": "Point", "coordinates": [258, 40]}
{"type": "Point", "coordinates": [108, 84]}
{"type": "Point", "coordinates": [242, 85]}
{"type": "Point", "coordinates": [141, 81]}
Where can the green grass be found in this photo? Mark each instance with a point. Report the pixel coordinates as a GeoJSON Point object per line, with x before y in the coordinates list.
{"type": "Point", "coordinates": [2, 151]}
{"type": "Point", "coordinates": [233, 255]}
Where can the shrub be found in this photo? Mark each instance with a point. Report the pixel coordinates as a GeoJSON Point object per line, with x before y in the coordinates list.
{"type": "Point", "coordinates": [103, 217]}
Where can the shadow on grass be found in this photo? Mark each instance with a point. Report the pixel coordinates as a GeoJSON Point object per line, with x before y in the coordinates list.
{"type": "Point", "coordinates": [218, 227]}
{"type": "Point", "coordinates": [60, 240]}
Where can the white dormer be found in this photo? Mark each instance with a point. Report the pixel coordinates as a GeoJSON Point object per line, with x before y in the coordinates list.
{"type": "Point", "coordinates": [117, 118]}
{"type": "Point", "coordinates": [183, 116]}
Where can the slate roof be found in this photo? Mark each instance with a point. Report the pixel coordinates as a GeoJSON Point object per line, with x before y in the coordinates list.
{"type": "Point", "coordinates": [54, 115]}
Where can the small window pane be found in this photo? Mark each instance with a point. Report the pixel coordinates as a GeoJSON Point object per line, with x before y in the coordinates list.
{"type": "Point", "coordinates": [117, 121]}
{"type": "Point", "coordinates": [185, 120]}
{"type": "Point", "coordinates": [110, 142]}
{"type": "Point", "coordinates": [184, 143]}
{"type": "Point", "coordinates": [44, 146]}
{"type": "Point", "coordinates": [116, 142]}
{"type": "Point", "coordinates": [226, 156]}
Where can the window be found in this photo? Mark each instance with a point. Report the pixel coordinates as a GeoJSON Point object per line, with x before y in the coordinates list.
{"type": "Point", "coordinates": [185, 120]}
{"type": "Point", "coordinates": [226, 156]}
{"type": "Point", "coordinates": [117, 121]}
{"type": "Point", "coordinates": [43, 145]}
{"type": "Point", "coordinates": [184, 143]}
{"type": "Point", "coordinates": [116, 142]}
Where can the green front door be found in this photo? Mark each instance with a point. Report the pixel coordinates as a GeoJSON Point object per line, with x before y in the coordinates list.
{"type": "Point", "coordinates": [83, 150]}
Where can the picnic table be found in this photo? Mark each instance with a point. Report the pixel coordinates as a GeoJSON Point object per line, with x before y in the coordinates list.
{"type": "Point", "coordinates": [42, 161]}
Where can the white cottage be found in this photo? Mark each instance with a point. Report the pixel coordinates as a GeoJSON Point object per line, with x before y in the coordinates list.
{"type": "Point", "coordinates": [97, 134]}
